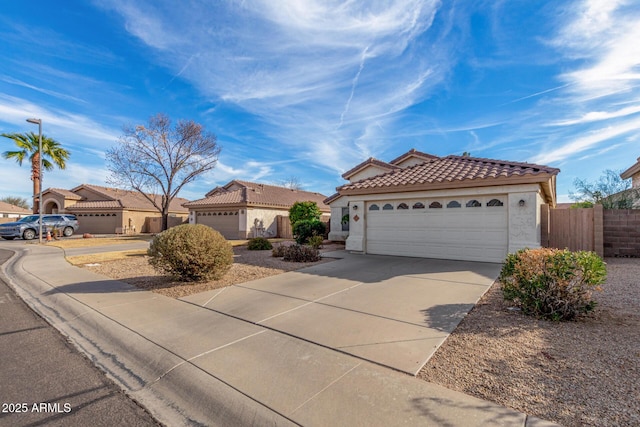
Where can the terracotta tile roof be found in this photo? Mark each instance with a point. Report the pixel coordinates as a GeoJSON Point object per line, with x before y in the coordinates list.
{"type": "Point", "coordinates": [9, 208]}
{"type": "Point", "coordinates": [65, 193]}
{"type": "Point", "coordinates": [369, 161]}
{"type": "Point", "coordinates": [96, 204]}
{"type": "Point", "coordinates": [452, 171]}
{"type": "Point", "coordinates": [115, 198]}
{"type": "Point", "coordinates": [255, 194]}
{"type": "Point", "coordinates": [413, 153]}
{"type": "Point", "coordinates": [331, 198]}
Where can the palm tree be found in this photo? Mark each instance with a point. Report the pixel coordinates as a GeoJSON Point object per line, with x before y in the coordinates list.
{"type": "Point", "coordinates": [28, 145]}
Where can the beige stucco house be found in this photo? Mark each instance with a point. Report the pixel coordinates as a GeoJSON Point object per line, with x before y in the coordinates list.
{"type": "Point", "coordinates": [634, 173]}
{"type": "Point", "coordinates": [242, 209]}
{"type": "Point", "coordinates": [453, 207]}
{"type": "Point", "coordinates": [104, 210]}
{"type": "Point", "coordinates": [7, 210]}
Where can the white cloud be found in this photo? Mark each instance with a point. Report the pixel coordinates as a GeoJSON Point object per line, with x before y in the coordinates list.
{"type": "Point", "coordinates": [598, 102]}
{"type": "Point", "coordinates": [16, 110]}
{"type": "Point", "coordinates": [588, 141]}
{"type": "Point", "coordinates": [317, 73]}
{"type": "Point", "coordinates": [594, 116]}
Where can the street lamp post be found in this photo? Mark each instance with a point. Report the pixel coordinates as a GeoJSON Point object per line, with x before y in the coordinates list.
{"type": "Point", "coordinates": [39, 123]}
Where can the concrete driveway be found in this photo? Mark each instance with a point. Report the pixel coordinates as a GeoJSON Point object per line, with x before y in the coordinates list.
{"type": "Point", "coordinates": [394, 311]}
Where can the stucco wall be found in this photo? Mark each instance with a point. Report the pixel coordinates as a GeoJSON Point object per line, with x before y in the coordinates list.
{"type": "Point", "coordinates": [335, 223]}
{"type": "Point", "coordinates": [53, 204]}
{"type": "Point", "coordinates": [262, 222]}
{"type": "Point", "coordinates": [524, 221]}
{"type": "Point", "coordinates": [367, 173]}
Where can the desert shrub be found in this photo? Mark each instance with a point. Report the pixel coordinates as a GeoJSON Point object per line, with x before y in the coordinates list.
{"type": "Point", "coordinates": [304, 229]}
{"type": "Point", "coordinates": [301, 211]}
{"type": "Point", "coordinates": [278, 251]}
{"type": "Point", "coordinates": [259, 244]}
{"type": "Point", "coordinates": [552, 283]}
{"type": "Point", "coordinates": [300, 253]}
{"type": "Point", "coordinates": [191, 252]}
{"type": "Point", "coordinates": [316, 241]}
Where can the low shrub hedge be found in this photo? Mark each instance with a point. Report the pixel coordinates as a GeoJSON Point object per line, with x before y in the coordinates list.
{"type": "Point", "coordinates": [259, 244]}
{"type": "Point", "coordinates": [191, 252]}
{"type": "Point", "coordinates": [278, 251]}
{"type": "Point", "coordinates": [552, 283]}
{"type": "Point", "coordinates": [301, 253]}
{"type": "Point", "coordinates": [305, 229]}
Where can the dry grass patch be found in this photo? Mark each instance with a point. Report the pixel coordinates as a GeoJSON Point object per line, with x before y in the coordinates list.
{"type": "Point", "coordinates": [96, 241]}
{"type": "Point", "coordinates": [106, 257]}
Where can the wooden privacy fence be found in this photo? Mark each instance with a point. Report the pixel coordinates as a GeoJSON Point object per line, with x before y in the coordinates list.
{"type": "Point", "coordinates": [607, 232]}
{"type": "Point", "coordinates": [284, 227]}
{"type": "Point", "coordinates": [574, 229]}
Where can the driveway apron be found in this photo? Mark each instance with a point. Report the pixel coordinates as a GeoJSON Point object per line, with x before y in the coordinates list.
{"type": "Point", "coordinates": [393, 311]}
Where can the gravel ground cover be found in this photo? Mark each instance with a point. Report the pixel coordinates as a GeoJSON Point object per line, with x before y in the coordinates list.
{"type": "Point", "coordinates": [582, 373]}
{"type": "Point", "coordinates": [248, 265]}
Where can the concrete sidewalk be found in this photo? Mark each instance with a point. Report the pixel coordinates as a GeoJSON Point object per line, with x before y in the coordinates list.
{"type": "Point", "coordinates": [190, 365]}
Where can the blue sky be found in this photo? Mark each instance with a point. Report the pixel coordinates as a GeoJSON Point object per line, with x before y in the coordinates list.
{"type": "Point", "coordinates": [308, 89]}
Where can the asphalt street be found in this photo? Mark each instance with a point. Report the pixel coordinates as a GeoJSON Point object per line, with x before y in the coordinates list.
{"type": "Point", "coordinates": [44, 380]}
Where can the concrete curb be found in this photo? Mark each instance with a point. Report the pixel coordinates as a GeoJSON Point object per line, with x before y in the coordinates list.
{"type": "Point", "coordinates": [176, 392]}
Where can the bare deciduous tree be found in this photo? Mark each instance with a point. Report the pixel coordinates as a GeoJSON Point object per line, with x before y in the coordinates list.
{"type": "Point", "coordinates": [610, 191]}
{"type": "Point", "coordinates": [292, 182]}
{"type": "Point", "coordinates": [160, 159]}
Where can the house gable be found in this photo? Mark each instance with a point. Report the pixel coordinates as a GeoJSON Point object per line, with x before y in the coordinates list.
{"type": "Point", "coordinates": [367, 169]}
{"type": "Point", "coordinates": [634, 173]}
{"type": "Point", "coordinates": [411, 158]}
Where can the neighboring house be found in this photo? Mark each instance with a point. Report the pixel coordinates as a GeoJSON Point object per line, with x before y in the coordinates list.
{"type": "Point", "coordinates": [104, 210]}
{"type": "Point", "coordinates": [453, 207]}
{"type": "Point", "coordinates": [242, 209]}
{"type": "Point", "coordinates": [634, 173]}
{"type": "Point", "coordinates": [8, 210]}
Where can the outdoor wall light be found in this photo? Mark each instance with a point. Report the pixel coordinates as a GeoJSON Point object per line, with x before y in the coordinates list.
{"type": "Point", "coordinates": [355, 207]}
{"type": "Point", "coordinates": [521, 202]}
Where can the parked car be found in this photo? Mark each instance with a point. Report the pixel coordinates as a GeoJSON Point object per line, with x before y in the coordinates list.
{"type": "Point", "coordinates": [28, 227]}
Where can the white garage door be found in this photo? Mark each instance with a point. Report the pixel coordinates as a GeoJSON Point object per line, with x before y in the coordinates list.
{"type": "Point", "coordinates": [470, 228]}
{"type": "Point", "coordinates": [225, 222]}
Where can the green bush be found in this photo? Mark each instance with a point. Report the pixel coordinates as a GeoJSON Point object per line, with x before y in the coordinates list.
{"type": "Point", "coordinates": [259, 244]}
{"type": "Point", "coordinates": [301, 211]}
{"type": "Point", "coordinates": [278, 251]}
{"type": "Point", "coordinates": [191, 252]}
{"type": "Point", "coordinates": [552, 283]}
{"type": "Point", "coordinates": [300, 253]}
{"type": "Point", "coordinates": [304, 229]}
{"type": "Point", "coordinates": [316, 241]}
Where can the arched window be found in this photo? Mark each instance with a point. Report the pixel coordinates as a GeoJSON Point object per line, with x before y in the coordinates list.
{"type": "Point", "coordinates": [495, 202]}
{"type": "Point", "coordinates": [374, 207]}
{"type": "Point", "coordinates": [435, 205]}
{"type": "Point", "coordinates": [418, 205]}
{"type": "Point", "coordinates": [387, 207]}
{"type": "Point", "coordinates": [473, 204]}
{"type": "Point", "coordinates": [454, 204]}
{"type": "Point", "coordinates": [403, 206]}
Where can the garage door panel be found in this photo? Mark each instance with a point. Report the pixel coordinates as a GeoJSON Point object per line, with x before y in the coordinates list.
{"type": "Point", "coordinates": [477, 234]}
{"type": "Point", "coordinates": [227, 225]}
